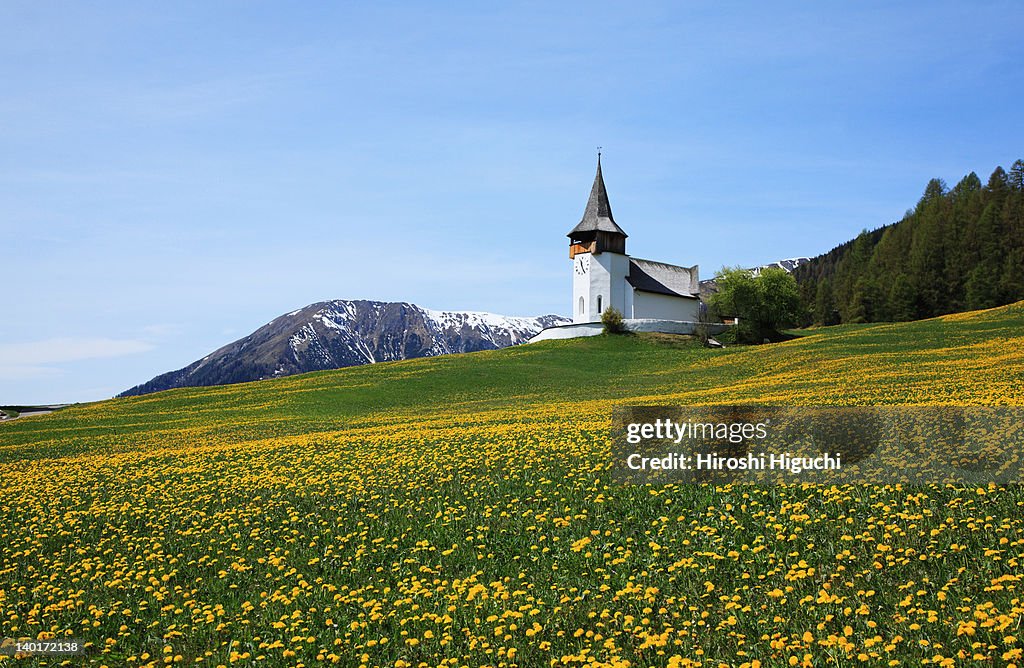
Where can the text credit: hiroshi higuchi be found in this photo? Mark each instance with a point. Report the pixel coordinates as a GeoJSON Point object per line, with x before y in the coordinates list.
{"type": "Point", "coordinates": [731, 432]}
{"type": "Point", "coordinates": [824, 444]}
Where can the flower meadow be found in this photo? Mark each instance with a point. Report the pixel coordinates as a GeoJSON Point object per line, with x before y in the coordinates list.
{"type": "Point", "coordinates": [460, 512]}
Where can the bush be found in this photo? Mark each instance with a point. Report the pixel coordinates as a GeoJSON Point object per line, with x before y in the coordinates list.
{"type": "Point", "coordinates": [612, 321]}
{"type": "Point", "coordinates": [764, 304]}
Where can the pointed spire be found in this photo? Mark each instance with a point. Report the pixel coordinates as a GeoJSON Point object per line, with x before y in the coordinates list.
{"type": "Point", "coordinates": [598, 205]}
{"type": "Point", "coordinates": [597, 217]}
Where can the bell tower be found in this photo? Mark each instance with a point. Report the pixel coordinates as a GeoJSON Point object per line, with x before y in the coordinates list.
{"type": "Point", "coordinates": [597, 248]}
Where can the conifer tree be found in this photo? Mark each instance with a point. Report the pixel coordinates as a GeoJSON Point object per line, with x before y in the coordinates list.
{"type": "Point", "coordinates": [1016, 178]}
{"type": "Point", "coordinates": [902, 305]}
{"type": "Point", "coordinates": [999, 182]}
{"type": "Point", "coordinates": [1011, 280]}
{"type": "Point", "coordinates": [824, 305]}
{"type": "Point", "coordinates": [983, 287]}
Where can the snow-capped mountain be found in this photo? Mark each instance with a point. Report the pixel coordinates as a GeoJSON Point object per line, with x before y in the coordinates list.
{"type": "Point", "coordinates": [789, 265]}
{"type": "Point", "coordinates": [341, 333]}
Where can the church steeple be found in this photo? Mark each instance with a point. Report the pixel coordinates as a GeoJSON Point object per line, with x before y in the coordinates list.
{"type": "Point", "coordinates": [597, 231]}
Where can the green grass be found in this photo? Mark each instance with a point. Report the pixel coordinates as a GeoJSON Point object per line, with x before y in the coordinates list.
{"type": "Point", "coordinates": [379, 496]}
{"type": "Point", "coordinates": [826, 364]}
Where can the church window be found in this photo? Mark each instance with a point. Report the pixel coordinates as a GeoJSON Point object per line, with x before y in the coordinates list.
{"type": "Point", "coordinates": [599, 303]}
{"type": "Point", "coordinates": [581, 305]}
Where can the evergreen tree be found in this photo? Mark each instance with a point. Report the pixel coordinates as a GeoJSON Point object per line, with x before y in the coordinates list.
{"type": "Point", "coordinates": [864, 301]}
{"type": "Point", "coordinates": [1016, 178]}
{"type": "Point", "coordinates": [927, 263]}
{"type": "Point", "coordinates": [933, 192]}
{"type": "Point", "coordinates": [809, 298]}
{"type": "Point", "coordinates": [999, 182]}
{"type": "Point", "coordinates": [902, 296]}
{"type": "Point", "coordinates": [825, 312]}
{"type": "Point", "coordinates": [968, 185]}
{"type": "Point", "coordinates": [857, 310]}
{"type": "Point", "coordinates": [956, 220]}
{"type": "Point", "coordinates": [1011, 280]}
{"type": "Point", "coordinates": [988, 238]}
{"type": "Point", "coordinates": [983, 287]}
{"type": "Point", "coordinates": [851, 269]}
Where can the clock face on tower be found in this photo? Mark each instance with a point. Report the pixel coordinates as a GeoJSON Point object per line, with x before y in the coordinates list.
{"type": "Point", "coordinates": [582, 264]}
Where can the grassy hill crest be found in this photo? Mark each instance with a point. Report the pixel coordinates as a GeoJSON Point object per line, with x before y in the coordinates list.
{"type": "Point", "coordinates": [973, 358]}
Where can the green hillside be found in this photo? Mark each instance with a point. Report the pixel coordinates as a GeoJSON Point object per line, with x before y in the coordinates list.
{"type": "Point", "coordinates": [828, 365]}
{"type": "Point", "coordinates": [459, 511]}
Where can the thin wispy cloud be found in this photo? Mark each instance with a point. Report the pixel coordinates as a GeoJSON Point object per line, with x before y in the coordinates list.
{"type": "Point", "coordinates": [59, 350]}
{"type": "Point", "coordinates": [26, 372]}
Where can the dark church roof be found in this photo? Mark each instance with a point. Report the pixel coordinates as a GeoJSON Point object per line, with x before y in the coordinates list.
{"type": "Point", "coordinates": [598, 215]}
{"type": "Point", "coordinates": [663, 279]}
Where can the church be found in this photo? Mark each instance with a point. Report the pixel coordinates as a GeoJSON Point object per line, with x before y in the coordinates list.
{"type": "Point", "coordinates": [650, 295]}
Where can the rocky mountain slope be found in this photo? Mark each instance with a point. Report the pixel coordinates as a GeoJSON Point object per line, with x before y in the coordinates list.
{"type": "Point", "coordinates": [341, 333]}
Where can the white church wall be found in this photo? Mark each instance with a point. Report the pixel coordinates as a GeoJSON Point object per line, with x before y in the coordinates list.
{"type": "Point", "coordinates": [620, 287]}
{"type": "Point", "coordinates": [600, 285]}
{"type": "Point", "coordinates": [572, 331]}
{"type": "Point", "coordinates": [609, 283]}
{"type": "Point", "coordinates": [664, 307]}
{"type": "Point", "coordinates": [671, 326]}
{"type": "Point", "coordinates": [632, 324]}
{"type": "Point", "coordinates": [580, 290]}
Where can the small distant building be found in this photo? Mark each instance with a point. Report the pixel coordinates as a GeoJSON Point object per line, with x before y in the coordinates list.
{"type": "Point", "coordinates": [652, 296]}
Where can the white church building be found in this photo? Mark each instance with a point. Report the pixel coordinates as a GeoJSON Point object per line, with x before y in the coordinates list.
{"type": "Point", "coordinates": [651, 296]}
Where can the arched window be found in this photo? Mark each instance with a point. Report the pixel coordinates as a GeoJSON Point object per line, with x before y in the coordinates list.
{"type": "Point", "coordinates": [599, 304]}
{"type": "Point", "coordinates": [581, 305]}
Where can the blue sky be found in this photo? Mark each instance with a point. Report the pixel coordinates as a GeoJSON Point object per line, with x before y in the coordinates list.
{"type": "Point", "coordinates": [174, 175]}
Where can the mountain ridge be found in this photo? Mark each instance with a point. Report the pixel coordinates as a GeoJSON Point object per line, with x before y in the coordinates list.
{"type": "Point", "coordinates": [341, 333]}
